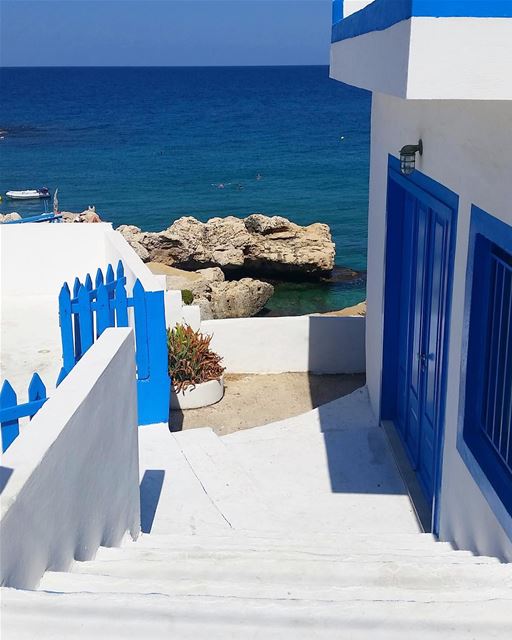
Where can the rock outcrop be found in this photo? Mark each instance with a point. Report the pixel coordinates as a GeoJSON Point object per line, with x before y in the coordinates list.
{"type": "Point", "coordinates": [9, 217]}
{"type": "Point", "coordinates": [258, 244]}
{"type": "Point", "coordinates": [89, 215]}
{"type": "Point", "coordinates": [133, 235]}
{"type": "Point", "coordinates": [216, 297]}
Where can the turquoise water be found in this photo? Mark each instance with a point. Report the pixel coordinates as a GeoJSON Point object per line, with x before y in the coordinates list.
{"type": "Point", "coordinates": [148, 145]}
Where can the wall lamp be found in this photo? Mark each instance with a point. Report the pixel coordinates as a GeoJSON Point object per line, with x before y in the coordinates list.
{"type": "Point", "coordinates": [408, 157]}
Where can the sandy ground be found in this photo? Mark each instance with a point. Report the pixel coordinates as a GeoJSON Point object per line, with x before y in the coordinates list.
{"type": "Point", "coordinates": [253, 400]}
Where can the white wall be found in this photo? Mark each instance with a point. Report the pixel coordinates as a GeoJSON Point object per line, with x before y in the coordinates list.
{"type": "Point", "coordinates": [37, 258]}
{"type": "Point", "coordinates": [319, 344]}
{"type": "Point", "coordinates": [467, 149]}
{"type": "Point", "coordinates": [351, 6]}
{"type": "Point", "coordinates": [377, 61]}
{"type": "Point", "coordinates": [72, 481]}
{"type": "Point", "coordinates": [430, 58]}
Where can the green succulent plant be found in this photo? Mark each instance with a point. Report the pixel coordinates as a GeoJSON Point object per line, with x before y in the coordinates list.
{"type": "Point", "coordinates": [191, 361]}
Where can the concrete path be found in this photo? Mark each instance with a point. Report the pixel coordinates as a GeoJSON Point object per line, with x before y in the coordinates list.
{"type": "Point", "coordinates": [254, 400]}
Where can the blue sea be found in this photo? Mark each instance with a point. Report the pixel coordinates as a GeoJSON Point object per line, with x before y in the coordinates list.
{"type": "Point", "coordinates": [149, 145]}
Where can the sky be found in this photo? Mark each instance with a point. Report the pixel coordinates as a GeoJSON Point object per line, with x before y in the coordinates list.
{"type": "Point", "coordinates": [164, 32]}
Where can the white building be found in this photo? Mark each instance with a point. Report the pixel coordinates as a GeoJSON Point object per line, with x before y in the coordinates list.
{"type": "Point", "coordinates": [308, 527]}
{"type": "Point", "coordinates": [439, 325]}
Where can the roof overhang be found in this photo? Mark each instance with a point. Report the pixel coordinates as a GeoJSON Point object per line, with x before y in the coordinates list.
{"type": "Point", "coordinates": [427, 49]}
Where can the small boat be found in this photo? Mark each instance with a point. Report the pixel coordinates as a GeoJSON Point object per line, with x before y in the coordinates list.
{"type": "Point", "coordinates": [28, 194]}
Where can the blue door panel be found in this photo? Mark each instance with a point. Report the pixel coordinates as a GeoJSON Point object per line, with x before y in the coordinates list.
{"type": "Point", "coordinates": [423, 307]}
{"type": "Point", "coordinates": [433, 346]}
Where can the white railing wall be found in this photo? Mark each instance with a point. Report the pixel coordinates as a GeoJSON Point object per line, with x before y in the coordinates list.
{"type": "Point", "coordinates": [70, 480]}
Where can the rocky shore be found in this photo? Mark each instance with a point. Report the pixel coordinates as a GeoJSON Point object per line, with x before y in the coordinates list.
{"type": "Point", "coordinates": [222, 253]}
{"type": "Point", "coordinates": [256, 246]}
{"type": "Point", "coordinates": [229, 265]}
{"type": "Point", "coordinates": [216, 297]}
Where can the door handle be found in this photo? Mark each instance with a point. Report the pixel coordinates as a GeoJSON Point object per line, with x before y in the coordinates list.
{"type": "Point", "coordinates": [423, 357]}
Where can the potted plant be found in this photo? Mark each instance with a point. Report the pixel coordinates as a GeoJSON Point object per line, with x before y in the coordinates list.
{"type": "Point", "coordinates": [196, 371]}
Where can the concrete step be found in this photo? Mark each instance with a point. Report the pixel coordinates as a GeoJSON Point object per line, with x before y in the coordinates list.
{"type": "Point", "coordinates": [331, 544]}
{"type": "Point", "coordinates": [211, 574]}
{"type": "Point", "coordinates": [233, 492]}
{"type": "Point", "coordinates": [172, 498]}
{"type": "Point", "coordinates": [285, 588]}
{"type": "Point", "coordinates": [280, 551]}
{"type": "Point", "coordinates": [131, 616]}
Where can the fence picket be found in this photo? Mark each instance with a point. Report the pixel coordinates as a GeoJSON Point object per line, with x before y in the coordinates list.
{"type": "Point", "coordinates": [76, 285]}
{"type": "Point", "coordinates": [141, 331]}
{"type": "Point", "coordinates": [36, 395]}
{"type": "Point", "coordinates": [99, 278]}
{"type": "Point", "coordinates": [66, 329]}
{"type": "Point", "coordinates": [110, 281]}
{"type": "Point", "coordinates": [9, 426]}
{"type": "Point", "coordinates": [102, 310]}
{"type": "Point", "coordinates": [121, 303]}
{"type": "Point", "coordinates": [76, 326]}
{"type": "Point", "coordinates": [85, 320]}
{"type": "Point", "coordinates": [120, 270]}
{"type": "Point", "coordinates": [109, 275]}
{"type": "Point", "coordinates": [89, 287]}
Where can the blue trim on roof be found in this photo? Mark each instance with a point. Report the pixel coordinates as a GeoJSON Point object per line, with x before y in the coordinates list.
{"type": "Point", "coordinates": [382, 14]}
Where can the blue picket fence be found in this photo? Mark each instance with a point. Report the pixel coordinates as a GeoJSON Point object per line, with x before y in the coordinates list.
{"type": "Point", "coordinates": [11, 411]}
{"type": "Point", "coordinates": [87, 310]}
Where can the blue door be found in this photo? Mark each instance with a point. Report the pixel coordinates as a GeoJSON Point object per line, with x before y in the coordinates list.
{"type": "Point", "coordinates": [426, 235]}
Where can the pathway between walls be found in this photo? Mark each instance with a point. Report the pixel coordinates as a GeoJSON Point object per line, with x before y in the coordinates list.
{"type": "Point", "coordinates": [296, 530]}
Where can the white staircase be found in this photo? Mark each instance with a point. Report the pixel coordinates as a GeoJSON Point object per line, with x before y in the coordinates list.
{"type": "Point", "coordinates": [301, 529]}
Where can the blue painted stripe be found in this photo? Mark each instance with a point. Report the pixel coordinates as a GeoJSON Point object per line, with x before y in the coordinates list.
{"type": "Point", "coordinates": [382, 14]}
{"type": "Point", "coordinates": [337, 11]}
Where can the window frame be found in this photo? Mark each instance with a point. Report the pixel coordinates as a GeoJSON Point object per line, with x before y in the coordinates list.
{"type": "Point", "coordinates": [482, 460]}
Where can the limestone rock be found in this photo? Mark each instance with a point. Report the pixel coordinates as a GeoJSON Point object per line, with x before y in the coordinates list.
{"type": "Point", "coordinates": [256, 244]}
{"type": "Point", "coordinates": [88, 215]}
{"type": "Point", "coordinates": [239, 298]}
{"type": "Point", "coordinates": [216, 297]}
{"type": "Point", "coordinates": [132, 235]}
{"type": "Point", "coordinates": [9, 217]}
{"type": "Point", "coordinates": [213, 274]}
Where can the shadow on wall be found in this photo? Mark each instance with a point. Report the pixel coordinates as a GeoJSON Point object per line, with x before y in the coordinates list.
{"type": "Point", "coordinates": [5, 474]}
{"type": "Point", "coordinates": [358, 455]}
{"type": "Point", "coordinates": [150, 490]}
{"type": "Point", "coordinates": [176, 419]}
